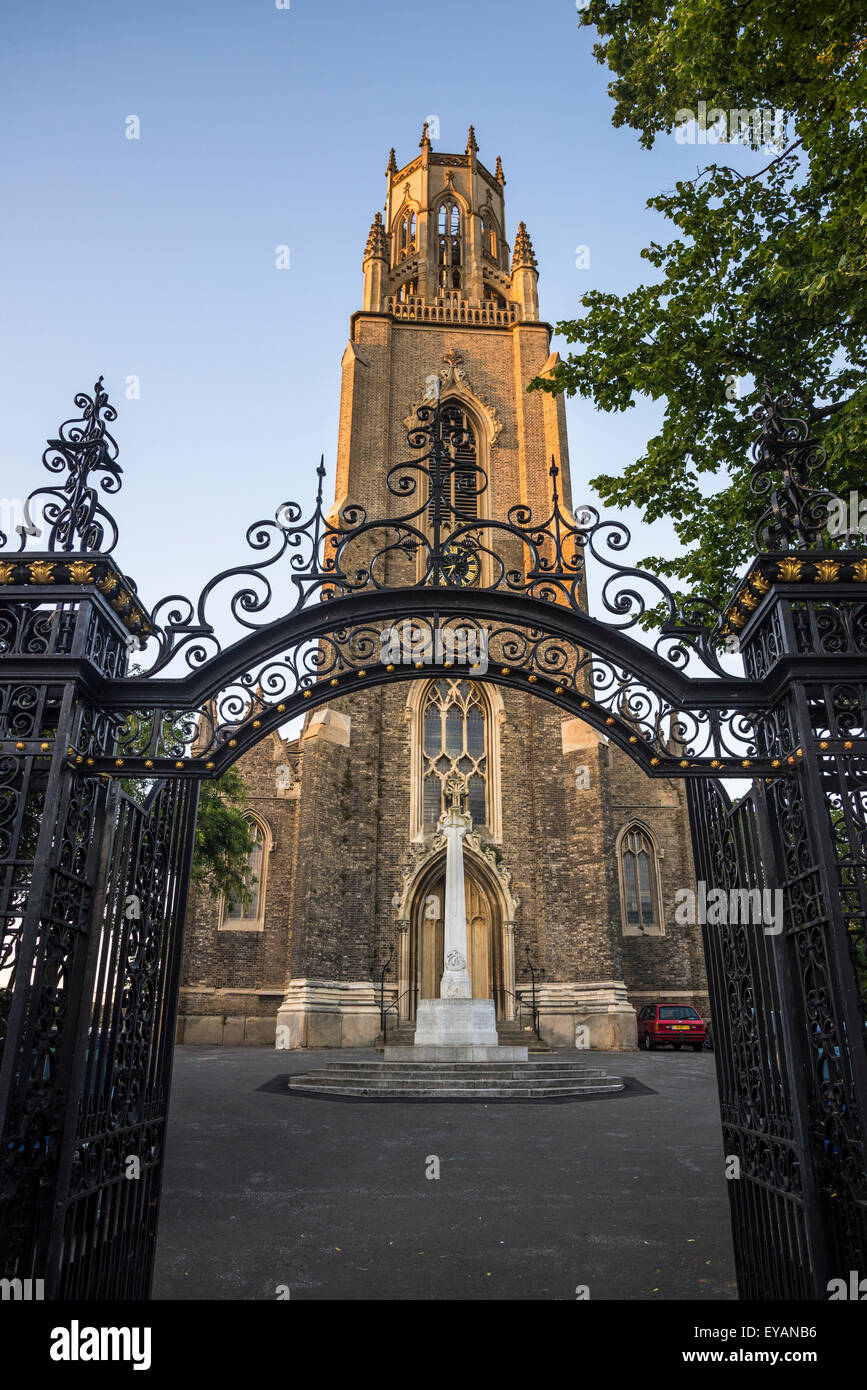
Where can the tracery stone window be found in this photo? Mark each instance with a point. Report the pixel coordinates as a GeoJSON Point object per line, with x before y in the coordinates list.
{"type": "Point", "coordinates": [639, 883]}
{"type": "Point", "coordinates": [408, 290]}
{"type": "Point", "coordinates": [454, 737]}
{"type": "Point", "coordinates": [406, 244]}
{"type": "Point", "coordinates": [446, 713]}
{"type": "Point", "coordinates": [449, 245]}
{"type": "Point", "coordinates": [489, 237]}
{"type": "Point", "coordinates": [250, 916]}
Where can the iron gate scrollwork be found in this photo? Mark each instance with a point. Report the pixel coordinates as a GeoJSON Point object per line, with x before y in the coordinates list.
{"type": "Point", "coordinates": [93, 881]}
{"type": "Point", "coordinates": [790, 1007]}
{"type": "Point", "coordinates": [764, 1138]}
{"type": "Point", "coordinates": [107, 1245]}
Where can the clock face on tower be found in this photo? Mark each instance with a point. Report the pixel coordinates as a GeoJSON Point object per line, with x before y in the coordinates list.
{"type": "Point", "coordinates": [460, 564]}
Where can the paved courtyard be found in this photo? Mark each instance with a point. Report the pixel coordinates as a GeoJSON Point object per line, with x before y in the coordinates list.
{"type": "Point", "coordinates": [330, 1198]}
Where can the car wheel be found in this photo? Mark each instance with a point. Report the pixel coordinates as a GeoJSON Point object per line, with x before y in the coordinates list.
{"type": "Point", "coordinates": [697, 1047]}
{"type": "Point", "coordinates": [648, 1045]}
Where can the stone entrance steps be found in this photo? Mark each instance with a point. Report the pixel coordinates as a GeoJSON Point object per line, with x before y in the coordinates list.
{"type": "Point", "coordinates": [457, 1080]}
{"type": "Point", "coordinates": [401, 1036]}
{"type": "Point", "coordinates": [511, 1034]}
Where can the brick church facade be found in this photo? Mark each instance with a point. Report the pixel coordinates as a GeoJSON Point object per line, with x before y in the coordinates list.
{"type": "Point", "coordinates": [575, 855]}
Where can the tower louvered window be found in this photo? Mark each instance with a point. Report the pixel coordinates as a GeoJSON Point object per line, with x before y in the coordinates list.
{"type": "Point", "coordinates": [462, 494]}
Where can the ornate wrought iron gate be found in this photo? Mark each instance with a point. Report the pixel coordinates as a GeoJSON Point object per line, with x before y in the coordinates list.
{"type": "Point", "coordinates": [93, 880]}
{"type": "Point", "coordinates": [93, 908]}
{"type": "Point", "coordinates": [772, 1189]}
{"type": "Point", "coordinates": [112, 1184]}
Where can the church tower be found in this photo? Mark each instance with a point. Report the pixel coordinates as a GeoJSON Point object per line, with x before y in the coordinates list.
{"type": "Point", "coordinates": [445, 295]}
{"type": "Point", "coordinates": [575, 856]}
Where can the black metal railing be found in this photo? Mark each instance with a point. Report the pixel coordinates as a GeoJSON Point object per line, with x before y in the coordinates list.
{"type": "Point", "coordinates": [521, 1008]}
{"type": "Point", "coordinates": [385, 970]}
{"type": "Point", "coordinates": [534, 971]}
{"type": "Point", "coordinates": [393, 1007]}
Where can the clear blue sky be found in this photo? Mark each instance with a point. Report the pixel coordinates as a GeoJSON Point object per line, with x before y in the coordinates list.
{"type": "Point", "coordinates": [261, 127]}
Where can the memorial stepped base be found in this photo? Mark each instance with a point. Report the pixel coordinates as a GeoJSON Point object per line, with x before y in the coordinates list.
{"type": "Point", "coordinates": [535, 1080]}
{"type": "Point", "coordinates": [509, 1033]}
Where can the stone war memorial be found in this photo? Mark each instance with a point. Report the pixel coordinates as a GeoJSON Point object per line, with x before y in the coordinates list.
{"type": "Point", "coordinates": [480, 774]}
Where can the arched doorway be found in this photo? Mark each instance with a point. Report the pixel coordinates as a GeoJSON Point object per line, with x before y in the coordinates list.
{"type": "Point", "coordinates": [484, 937]}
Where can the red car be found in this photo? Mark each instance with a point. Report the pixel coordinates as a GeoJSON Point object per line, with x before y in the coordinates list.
{"type": "Point", "coordinates": [677, 1024]}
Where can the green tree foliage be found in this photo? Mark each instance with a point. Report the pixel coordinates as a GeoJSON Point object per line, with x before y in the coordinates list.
{"type": "Point", "coordinates": [224, 839]}
{"type": "Point", "coordinates": [765, 275]}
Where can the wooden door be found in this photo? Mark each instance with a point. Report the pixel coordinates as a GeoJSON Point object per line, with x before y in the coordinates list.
{"type": "Point", "coordinates": [430, 932]}
{"type": "Point", "coordinates": [479, 939]}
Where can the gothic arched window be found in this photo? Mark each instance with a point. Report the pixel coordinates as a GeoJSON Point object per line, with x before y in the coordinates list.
{"type": "Point", "coordinates": [250, 916]}
{"type": "Point", "coordinates": [454, 738]}
{"type": "Point", "coordinates": [464, 480]}
{"type": "Point", "coordinates": [639, 883]}
{"type": "Point", "coordinates": [489, 236]}
{"type": "Point", "coordinates": [464, 503]}
{"type": "Point", "coordinates": [406, 235]}
{"type": "Point", "coordinates": [449, 245]}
